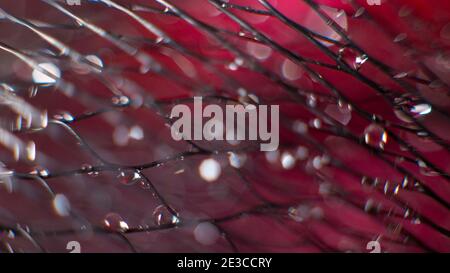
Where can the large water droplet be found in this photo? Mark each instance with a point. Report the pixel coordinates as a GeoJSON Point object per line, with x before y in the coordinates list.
{"type": "Point", "coordinates": [114, 222]}
{"type": "Point", "coordinates": [163, 216]}
{"type": "Point", "coordinates": [50, 73]}
{"type": "Point", "coordinates": [376, 136]}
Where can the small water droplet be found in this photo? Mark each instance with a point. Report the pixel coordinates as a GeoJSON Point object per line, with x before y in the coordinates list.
{"type": "Point", "coordinates": [316, 123]}
{"type": "Point", "coordinates": [352, 57]}
{"type": "Point", "coordinates": [400, 37]}
{"type": "Point", "coordinates": [64, 117]}
{"type": "Point", "coordinates": [301, 153]}
{"type": "Point", "coordinates": [114, 222]}
{"type": "Point", "coordinates": [400, 75]}
{"type": "Point", "coordinates": [359, 12]}
{"type": "Point", "coordinates": [42, 172]}
{"type": "Point", "coordinates": [375, 135]}
{"type": "Point", "coordinates": [129, 177]}
{"type": "Point", "coordinates": [236, 160]}
{"type": "Point", "coordinates": [121, 100]}
{"type": "Point", "coordinates": [425, 169]}
{"type": "Point", "coordinates": [287, 160]}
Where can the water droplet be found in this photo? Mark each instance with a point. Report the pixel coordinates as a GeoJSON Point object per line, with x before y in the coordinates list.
{"type": "Point", "coordinates": [121, 100]}
{"type": "Point", "coordinates": [400, 37]}
{"type": "Point", "coordinates": [352, 57]}
{"type": "Point", "coordinates": [341, 114]}
{"type": "Point", "coordinates": [31, 151]}
{"type": "Point", "coordinates": [163, 216]}
{"type": "Point", "coordinates": [400, 75]}
{"type": "Point", "coordinates": [44, 77]}
{"type": "Point", "coordinates": [425, 169]}
{"type": "Point", "coordinates": [206, 233]}
{"type": "Point", "coordinates": [287, 160]}
{"type": "Point", "coordinates": [405, 182]}
{"type": "Point", "coordinates": [359, 12]}
{"type": "Point", "coordinates": [301, 153]}
{"type": "Point", "coordinates": [300, 127]}
{"type": "Point", "coordinates": [91, 63]}
{"type": "Point", "coordinates": [209, 170]}
{"type": "Point", "coordinates": [407, 106]}
{"type": "Point", "coordinates": [64, 117]}
{"type": "Point", "coordinates": [259, 51]}
{"type": "Point", "coordinates": [272, 156]}
{"type": "Point", "coordinates": [375, 135]}
{"type": "Point", "coordinates": [237, 160]}
{"type": "Point", "coordinates": [129, 177]}
{"type": "Point", "coordinates": [305, 212]}
{"type": "Point", "coordinates": [316, 123]}
{"type": "Point", "coordinates": [42, 172]}
{"type": "Point", "coordinates": [61, 205]}
{"type": "Point", "coordinates": [312, 100]}
{"type": "Point", "coordinates": [290, 70]}
{"type": "Point", "coordinates": [114, 222]}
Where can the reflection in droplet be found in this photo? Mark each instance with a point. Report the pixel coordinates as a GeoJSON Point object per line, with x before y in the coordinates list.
{"type": "Point", "coordinates": [61, 205]}
{"type": "Point", "coordinates": [163, 216]}
{"type": "Point", "coordinates": [206, 233]}
{"type": "Point", "coordinates": [114, 222]}
{"type": "Point", "coordinates": [209, 169]}
{"type": "Point", "coordinates": [136, 132]}
{"type": "Point", "coordinates": [376, 136]}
